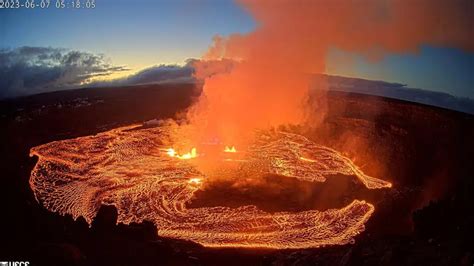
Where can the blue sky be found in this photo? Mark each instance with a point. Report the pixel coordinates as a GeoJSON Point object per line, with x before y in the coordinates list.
{"type": "Point", "coordinates": [143, 33]}
{"type": "Point", "coordinates": [439, 69]}
{"type": "Point", "coordinates": [137, 33]}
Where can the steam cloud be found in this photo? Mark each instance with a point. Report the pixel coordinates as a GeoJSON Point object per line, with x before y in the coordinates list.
{"type": "Point", "coordinates": [269, 85]}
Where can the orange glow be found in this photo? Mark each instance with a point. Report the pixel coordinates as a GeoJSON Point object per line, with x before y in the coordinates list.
{"type": "Point", "coordinates": [268, 83]}
{"type": "Point", "coordinates": [172, 153]}
{"type": "Point", "coordinates": [230, 149]}
{"type": "Point", "coordinates": [266, 87]}
{"type": "Point", "coordinates": [307, 160]}
{"type": "Point", "coordinates": [144, 184]}
{"type": "Point", "coordinates": [195, 181]}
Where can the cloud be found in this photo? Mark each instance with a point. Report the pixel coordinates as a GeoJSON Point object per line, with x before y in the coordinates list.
{"type": "Point", "coordinates": [31, 70]}
{"type": "Point", "coordinates": [151, 75]}
{"type": "Point", "coordinates": [193, 71]}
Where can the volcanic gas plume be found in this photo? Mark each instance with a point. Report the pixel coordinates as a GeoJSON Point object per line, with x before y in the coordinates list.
{"type": "Point", "coordinates": [268, 84]}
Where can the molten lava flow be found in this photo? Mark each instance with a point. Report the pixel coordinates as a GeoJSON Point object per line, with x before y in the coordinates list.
{"type": "Point", "coordinates": [195, 181]}
{"type": "Point", "coordinates": [127, 168]}
{"type": "Point", "coordinates": [230, 149]}
{"type": "Point", "coordinates": [172, 153]}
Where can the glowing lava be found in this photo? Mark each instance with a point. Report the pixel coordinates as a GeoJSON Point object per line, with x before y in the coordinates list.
{"type": "Point", "coordinates": [172, 153]}
{"type": "Point", "coordinates": [230, 149]}
{"type": "Point", "coordinates": [195, 181]}
{"type": "Point", "coordinates": [127, 168]}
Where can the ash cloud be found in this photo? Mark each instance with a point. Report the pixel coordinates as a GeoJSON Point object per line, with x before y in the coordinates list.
{"type": "Point", "coordinates": [31, 70]}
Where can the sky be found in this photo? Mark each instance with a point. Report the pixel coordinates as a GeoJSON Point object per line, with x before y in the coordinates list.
{"type": "Point", "coordinates": [432, 68]}
{"type": "Point", "coordinates": [136, 33]}
{"type": "Point", "coordinates": [139, 34]}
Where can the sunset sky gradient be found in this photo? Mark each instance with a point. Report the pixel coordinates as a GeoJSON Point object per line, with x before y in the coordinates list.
{"type": "Point", "coordinates": [140, 34]}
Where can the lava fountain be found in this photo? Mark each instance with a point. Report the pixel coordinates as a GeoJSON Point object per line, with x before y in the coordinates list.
{"type": "Point", "coordinates": [135, 170]}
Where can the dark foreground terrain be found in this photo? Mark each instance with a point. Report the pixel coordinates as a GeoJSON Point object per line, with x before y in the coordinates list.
{"type": "Point", "coordinates": [427, 218]}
